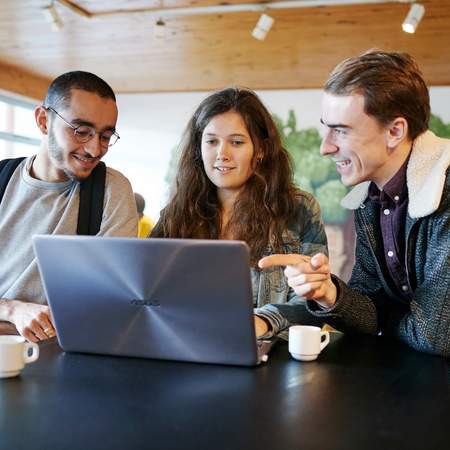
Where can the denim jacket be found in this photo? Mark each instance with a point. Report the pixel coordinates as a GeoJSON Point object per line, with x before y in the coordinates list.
{"type": "Point", "coordinates": [273, 299]}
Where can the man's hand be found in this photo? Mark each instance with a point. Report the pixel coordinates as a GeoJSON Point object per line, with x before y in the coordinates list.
{"type": "Point", "coordinates": [34, 322]}
{"type": "Point", "coordinates": [309, 277]}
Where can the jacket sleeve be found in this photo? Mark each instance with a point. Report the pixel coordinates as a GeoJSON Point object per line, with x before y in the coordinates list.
{"type": "Point", "coordinates": [355, 310]}
{"type": "Point", "coordinates": [367, 306]}
{"type": "Point", "coordinates": [313, 240]}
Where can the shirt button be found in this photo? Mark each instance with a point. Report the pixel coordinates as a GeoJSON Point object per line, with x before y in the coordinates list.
{"type": "Point", "coordinates": [396, 198]}
{"type": "Point", "coordinates": [391, 254]}
{"type": "Point", "coordinates": [386, 211]}
{"type": "Point", "coordinates": [405, 288]}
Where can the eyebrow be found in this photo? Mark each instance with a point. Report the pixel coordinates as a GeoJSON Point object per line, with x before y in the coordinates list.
{"type": "Point", "coordinates": [337, 125]}
{"type": "Point", "coordinates": [81, 123]}
{"type": "Point", "coordinates": [234, 134]}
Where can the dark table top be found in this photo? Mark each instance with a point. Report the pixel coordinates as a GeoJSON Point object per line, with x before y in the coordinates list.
{"type": "Point", "coordinates": [363, 392]}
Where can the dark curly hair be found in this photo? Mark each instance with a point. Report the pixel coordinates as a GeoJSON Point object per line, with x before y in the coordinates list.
{"type": "Point", "coordinates": [266, 205]}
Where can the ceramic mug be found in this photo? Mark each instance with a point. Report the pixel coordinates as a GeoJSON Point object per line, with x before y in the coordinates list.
{"type": "Point", "coordinates": [306, 342]}
{"type": "Point", "coordinates": [14, 355]}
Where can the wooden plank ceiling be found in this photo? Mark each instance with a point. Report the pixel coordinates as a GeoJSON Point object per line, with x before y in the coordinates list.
{"type": "Point", "coordinates": [205, 52]}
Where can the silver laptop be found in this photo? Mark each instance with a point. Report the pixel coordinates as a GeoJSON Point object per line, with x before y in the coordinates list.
{"type": "Point", "coordinates": [173, 299]}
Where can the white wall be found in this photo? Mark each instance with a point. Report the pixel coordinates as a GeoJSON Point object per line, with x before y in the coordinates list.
{"type": "Point", "coordinates": [150, 125]}
{"type": "Point", "coordinates": [440, 102]}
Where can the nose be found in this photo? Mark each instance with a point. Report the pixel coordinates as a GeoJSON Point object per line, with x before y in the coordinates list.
{"type": "Point", "coordinates": [223, 153]}
{"type": "Point", "coordinates": [94, 148]}
{"type": "Point", "coordinates": [327, 146]}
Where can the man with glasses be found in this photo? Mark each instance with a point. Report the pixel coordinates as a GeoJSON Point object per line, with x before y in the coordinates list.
{"type": "Point", "coordinates": [78, 123]}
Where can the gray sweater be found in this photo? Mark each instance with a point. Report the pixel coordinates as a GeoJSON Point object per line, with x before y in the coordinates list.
{"type": "Point", "coordinates": [31, 206]}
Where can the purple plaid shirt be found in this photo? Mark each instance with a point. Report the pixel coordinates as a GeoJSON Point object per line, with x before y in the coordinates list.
{"type": "Point", "coordinates": [393, 201]}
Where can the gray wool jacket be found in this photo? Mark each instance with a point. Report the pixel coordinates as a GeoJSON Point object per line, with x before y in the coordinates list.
{"type": "Point", "coordinates": [367, 305]}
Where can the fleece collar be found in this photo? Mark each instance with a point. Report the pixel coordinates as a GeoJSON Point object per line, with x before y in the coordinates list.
{"type": "Point", "coordinates": [425, 175]}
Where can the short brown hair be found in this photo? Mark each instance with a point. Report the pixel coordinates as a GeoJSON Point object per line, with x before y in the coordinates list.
{"type": "Point", "coordinates": [392, 86]}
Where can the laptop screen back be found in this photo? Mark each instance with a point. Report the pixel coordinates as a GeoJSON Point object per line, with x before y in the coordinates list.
{"type": "Point", "coordinates": [175, 299]}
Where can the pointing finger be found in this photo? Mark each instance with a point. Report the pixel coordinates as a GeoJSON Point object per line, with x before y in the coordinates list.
{"type": "Point", "coordinates": [282, 260]}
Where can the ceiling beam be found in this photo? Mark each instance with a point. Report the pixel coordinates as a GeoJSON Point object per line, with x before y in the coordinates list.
{"type": "Point", "coordinates": [18, 81]}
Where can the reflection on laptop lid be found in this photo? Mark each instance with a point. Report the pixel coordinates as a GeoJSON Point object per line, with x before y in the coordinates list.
{"type": "Point", "coordinates": [174, 299]}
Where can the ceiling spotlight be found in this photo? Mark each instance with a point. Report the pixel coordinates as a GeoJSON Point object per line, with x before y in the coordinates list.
{"type": "Point", "coordinates": [413, 18]}
{"type": "Point", "coordinates": [263, 26]}
{"type": "Point", "coordinates": [52, 17]}
{"type": "Point", "coordinates": [159, 36]}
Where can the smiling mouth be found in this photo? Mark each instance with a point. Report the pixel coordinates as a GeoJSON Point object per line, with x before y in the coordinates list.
{"type": "Point", "coordinates": [343, 163]}
{"type": "Point", "coordinates": [224, 169]}
{"type": "Point", "coordinates": [86, 160]}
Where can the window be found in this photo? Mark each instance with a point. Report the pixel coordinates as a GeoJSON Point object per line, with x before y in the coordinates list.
{"type": "Point", "coordinates": [19, 135]}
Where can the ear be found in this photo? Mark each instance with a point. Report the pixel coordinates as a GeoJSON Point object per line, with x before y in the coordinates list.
{"type": "Point", "coordinates": [42, 115]}
{"type": "Point", "coordinates": [397, 132]}
{"type": "Point", "coordinates": [262, 150]}
{"type": "Point", "coordinates": [257, 159]}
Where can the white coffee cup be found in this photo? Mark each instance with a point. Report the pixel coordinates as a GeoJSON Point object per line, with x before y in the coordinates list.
{"type": "Point", "coordinates": [14, 355]}
{"type": "Point", "coordinates": [305, 342]}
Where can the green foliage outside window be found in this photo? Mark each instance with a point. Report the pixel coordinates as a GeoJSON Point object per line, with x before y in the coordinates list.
{"type": "Point", "coordinates": [439, 128]}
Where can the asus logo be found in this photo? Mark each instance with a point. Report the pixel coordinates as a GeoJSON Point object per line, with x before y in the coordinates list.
{"type": "Point", "coordinates": [154, 303]}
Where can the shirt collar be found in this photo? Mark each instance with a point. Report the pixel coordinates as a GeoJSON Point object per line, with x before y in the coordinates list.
{"type": "Point", "coordinates": [395, 188]}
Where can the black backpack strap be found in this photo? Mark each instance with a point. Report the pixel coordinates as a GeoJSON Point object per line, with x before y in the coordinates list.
{"type": "Point", "coordinates": [92, 192]}
{"type": "Point", "coordinates": [7, 168]}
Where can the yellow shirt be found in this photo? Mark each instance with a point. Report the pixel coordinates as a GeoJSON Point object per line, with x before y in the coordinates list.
{"type": "Point", "coordinates": [145, 226]}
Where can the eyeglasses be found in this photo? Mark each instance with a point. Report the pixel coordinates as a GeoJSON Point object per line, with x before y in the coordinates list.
{"type": "Point", "coordinates": [85, 133]}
